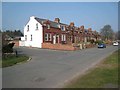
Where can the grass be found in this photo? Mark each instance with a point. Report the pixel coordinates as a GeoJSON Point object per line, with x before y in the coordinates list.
{"type": "Point", "coordinates": [12, 60]}
{"type": "Point", "coordinates": [0, 63]}
{"type": "Point", "coordinates": [102, 76]}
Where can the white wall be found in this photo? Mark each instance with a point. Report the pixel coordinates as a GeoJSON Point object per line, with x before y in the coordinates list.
{"type": "Point", "coordinates": [22, 39]}
{"type": "Point", "coordinates": [37, 36]}
{"type": "Point", "coordinates": [21, 43]}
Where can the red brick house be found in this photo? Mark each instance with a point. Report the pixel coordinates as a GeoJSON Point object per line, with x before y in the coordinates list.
{"type": "Point", "coordinates": [54, 34]}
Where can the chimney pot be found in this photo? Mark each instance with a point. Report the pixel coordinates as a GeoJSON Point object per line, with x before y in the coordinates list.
{"type": "Point", "coordinates": [71, 24]}
{"type": "Point", "coordinates": [57, 20]}
{"type": "Point", "coordinates": [89, 29]}
{"type": "Point", "coordinates": [82, 27]}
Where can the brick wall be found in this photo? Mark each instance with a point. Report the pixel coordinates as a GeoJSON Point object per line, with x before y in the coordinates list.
{"type": "Point", "coordinates": [59, 46]}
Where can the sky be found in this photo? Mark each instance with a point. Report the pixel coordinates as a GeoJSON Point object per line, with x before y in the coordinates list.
{"type": "Point", "coordinates": [93, 15]}
{"type": "Point", "coordinates": [60, 0]}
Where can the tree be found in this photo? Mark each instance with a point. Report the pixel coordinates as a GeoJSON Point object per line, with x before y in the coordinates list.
{"type": "Point", "coordinates": [8, 48]}
{"type": "Point", "coordinates": [107, 32]}
{"type": "Point", "coordinates": [13, 34]}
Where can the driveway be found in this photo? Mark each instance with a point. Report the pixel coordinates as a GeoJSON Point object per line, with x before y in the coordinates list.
{"type": "Point", "coordinates": [51, 68]}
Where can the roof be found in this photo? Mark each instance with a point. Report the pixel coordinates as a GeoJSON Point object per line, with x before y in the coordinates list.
{"type": "Point", "coordinates": [52, 23]}
{"type": "Point", "coordinates": [56, 25]}
{"type": "Point", "coordinates": [7, 37]}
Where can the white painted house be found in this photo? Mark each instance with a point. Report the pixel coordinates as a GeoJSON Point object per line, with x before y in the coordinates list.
{"type": "Point", "coordinates": [38, 31]}
{"type": "Point", "coordinates": [33, 33]}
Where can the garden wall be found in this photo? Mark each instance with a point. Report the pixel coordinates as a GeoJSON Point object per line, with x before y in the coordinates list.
{"type": "Point", "coordinates": [59, 46]}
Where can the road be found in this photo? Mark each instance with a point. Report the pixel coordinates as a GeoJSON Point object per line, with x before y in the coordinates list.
{"type": "Point", "coordinates": [52, 68]}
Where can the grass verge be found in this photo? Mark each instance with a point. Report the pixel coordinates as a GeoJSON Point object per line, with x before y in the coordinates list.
{"type": "Point", "coordinates": [10, 61]}
{"type": "Point", "coordinates": [105, 75]}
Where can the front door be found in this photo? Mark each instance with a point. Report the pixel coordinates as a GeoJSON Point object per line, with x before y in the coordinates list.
{"type": "Point", "coordinates": [57, 39]}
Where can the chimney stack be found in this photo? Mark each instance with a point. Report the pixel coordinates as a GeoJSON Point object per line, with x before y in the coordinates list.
{"type": "Point", "coordinates": [89, 29]}
{"type": "Point", "coordinates": [71, 24]}
{"type": "Point", "coordinates": [32, 17]}
{"type": "Point", "coordinates": [82, 27]}
{"type": "Point", "coordinates": [57, 20]}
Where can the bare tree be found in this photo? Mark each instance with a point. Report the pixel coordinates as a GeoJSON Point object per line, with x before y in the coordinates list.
{"type": "Point", "coordinates": [107, 32]}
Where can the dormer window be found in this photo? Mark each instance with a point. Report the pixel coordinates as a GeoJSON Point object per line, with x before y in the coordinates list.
{"type": "Point", "coordinates": [63, 28]}
{"type": "Point", "coordinates": [27, 27]}
{"type": "Point", "coordinates": [37, 26]}
{"type": "Point", "coordinates": [44, 24]}
{"type": "Point", "coordinates": [59, 25]}
{"type": "Point", "coordinates": [86, 31]}
{"type": "Point", "coordinates": [48, 26]}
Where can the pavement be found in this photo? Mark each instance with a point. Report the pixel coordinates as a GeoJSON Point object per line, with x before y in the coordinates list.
{"type": "Point", "coordinates": [52, 68]}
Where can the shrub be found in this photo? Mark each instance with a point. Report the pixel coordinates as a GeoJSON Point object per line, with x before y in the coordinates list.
{"type": "Point", "coordinates": [92, 41]}
{"type": "Point", "coordinates": [8, 48]}
{"type": "Point", "coordinates": [99, 42]}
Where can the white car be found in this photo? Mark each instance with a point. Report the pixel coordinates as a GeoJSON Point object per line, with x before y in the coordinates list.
{"type": "Point", "coordinates": [115, 43]}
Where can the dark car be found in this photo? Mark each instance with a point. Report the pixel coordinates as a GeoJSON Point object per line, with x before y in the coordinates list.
{"type": "Point", "coordinates": [102, 45]}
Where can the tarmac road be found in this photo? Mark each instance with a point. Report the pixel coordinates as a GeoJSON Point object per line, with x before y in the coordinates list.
{"type": "Point", "coordinates": [52, 68]}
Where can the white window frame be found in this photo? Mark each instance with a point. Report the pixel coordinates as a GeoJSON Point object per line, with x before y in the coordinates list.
{"type": "Point", "coordinates": [37, 26]}
{"type": "Point", "coordinates": [48, 26]}
{"type": "Point", "coordinates": [31, 37]}
{"type": "Point", "coordinates": [28, 27]}
{"type": "Point", "coordinates": [63, 37]}
{"type": "Point", "coordinates": [63, 28]}
{"type": "Point", "coordinates": [25, 37]}
{"type": "Point", "coordinates": [48, 37]}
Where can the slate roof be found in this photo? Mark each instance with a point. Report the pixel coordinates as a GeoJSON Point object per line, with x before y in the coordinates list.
{"type": "Point", "coordinates": [52, 23]}
{"type": "Point", "coordinates": [55, 24]}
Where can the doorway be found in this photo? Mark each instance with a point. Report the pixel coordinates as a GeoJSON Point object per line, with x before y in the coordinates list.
{"type": "Point", "coordinates": [55, 39]}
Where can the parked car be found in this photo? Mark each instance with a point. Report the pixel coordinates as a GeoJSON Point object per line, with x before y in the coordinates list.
{"type": "Point", "coordinates": [115, 43]}
{"type": "Point", "coordinates": [102, 45]}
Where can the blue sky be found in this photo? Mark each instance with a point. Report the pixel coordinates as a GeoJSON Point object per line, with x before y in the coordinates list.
{"type": "Point", "coordinates": [90, 14]}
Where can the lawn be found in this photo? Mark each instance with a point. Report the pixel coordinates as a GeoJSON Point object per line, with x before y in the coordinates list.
{"type": "Point", "coordinates": [104, 75]}
{"type": "Point", "coordinates": [0, 63]}
{"type": "Point", "coordinates": [12, 60]}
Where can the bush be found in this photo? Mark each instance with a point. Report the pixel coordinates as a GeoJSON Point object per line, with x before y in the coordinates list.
{"type": "Point", "coordinates": [99, 42]}
{"type": "Point", "coordinates": [8, 48]}
{"type": "Point", "coordinates": [92, 41]}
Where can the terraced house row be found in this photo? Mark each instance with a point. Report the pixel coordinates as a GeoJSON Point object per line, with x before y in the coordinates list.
{"type": "Point", "coordinates": [44, 33]}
